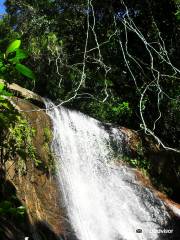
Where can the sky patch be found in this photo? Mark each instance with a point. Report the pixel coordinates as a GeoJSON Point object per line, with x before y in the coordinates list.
{"type": "Point", "coordinates": [2, 7]}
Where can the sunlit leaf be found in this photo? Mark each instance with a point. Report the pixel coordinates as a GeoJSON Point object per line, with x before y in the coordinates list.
{"type": "Point", "coordinates": [1, 86]}
{"type": "Point", "coordinates": [25, 71]}
{"type": "Point", "coordinates": [13, 46]}
{"type": "Point", "coordinates": [20, 55]}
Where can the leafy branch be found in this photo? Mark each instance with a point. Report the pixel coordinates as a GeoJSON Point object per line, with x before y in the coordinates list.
{"type": "Point", "coordinates": [12, 59]}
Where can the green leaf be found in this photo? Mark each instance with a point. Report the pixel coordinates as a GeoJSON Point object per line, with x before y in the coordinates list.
{"type": "Point", "coordinates": [178, 15]}
{"type": "Point", "coordinates": [13, 46]}
{"type": "Point", "coordinates": [25, 71]}
{"type": "Point", "coordinates": [21, 210]}
{"type": "Point", "coordinates": [1, 99]}
{"type": "Point", "coordinates": [5, 93]}
{"type": "Point", "coordinates": [3, 69]}
{"type": "Point", "coordinates": [1, 86]}
{"type": "Point", "coordinates": [20, 55]}
{"type": "Point", "coordinates": [1, 64]}
{"type": "Point", "coordinates": [4, 104]}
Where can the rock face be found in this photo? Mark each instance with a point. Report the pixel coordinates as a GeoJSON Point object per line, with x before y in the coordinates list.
{"type": "Point", "coordinates": [36, 188]}
{"type": "Point", "coordinates": [161, 163]}
{"type": "Point", "coordinates": [23, 92]}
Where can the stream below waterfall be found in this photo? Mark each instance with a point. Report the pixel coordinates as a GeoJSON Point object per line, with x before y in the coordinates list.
{"type": "Point", "coordinates": [102, 199]}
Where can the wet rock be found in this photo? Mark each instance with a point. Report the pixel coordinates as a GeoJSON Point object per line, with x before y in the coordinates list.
{"type": "Point", "coordinates": [37, 188]}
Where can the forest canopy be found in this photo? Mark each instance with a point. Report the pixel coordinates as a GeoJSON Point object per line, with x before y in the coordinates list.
{"type": "Point", "coordinates": [117, 61]}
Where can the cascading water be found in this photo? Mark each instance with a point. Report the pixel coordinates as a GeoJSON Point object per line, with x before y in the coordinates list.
{"type": "Point", "coordinates": [102, 199]}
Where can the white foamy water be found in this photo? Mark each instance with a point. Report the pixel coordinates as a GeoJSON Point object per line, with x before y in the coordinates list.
{"type": "Point", "coordinates": [103, 200]}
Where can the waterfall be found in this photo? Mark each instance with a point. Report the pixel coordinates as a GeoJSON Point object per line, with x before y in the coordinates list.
{"type": "Point", "coordinates": [102, 197]}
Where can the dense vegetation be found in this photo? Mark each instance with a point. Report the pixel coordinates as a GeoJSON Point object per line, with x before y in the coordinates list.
{"type": "Point", "coordinates": [115, 60]}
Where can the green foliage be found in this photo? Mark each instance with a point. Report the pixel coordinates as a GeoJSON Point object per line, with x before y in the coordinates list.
{"type": "Point", "coordinates": [7, 115]}
{"type": "Point", "coordinates": [113, 110]}
{"type": "Point", "coordinates": [19, 132]}
{"type": "Point", "coordinates": [3, 92]}
{"type": "Point", "coordinates": [21, 143]}
{"type": "Point", "coordinates": [178, 15]}
{"type": "Point", "coordinates": [140, 162]}
{"type": "Point", "coordinates": [1, 87]}
{"type": "Point", "coordinates": [8, 60]}
{"type": "Point", "coordinates": [50, 166]}
{"type": "Point", "coordinates": [13, 46]}
{"type": "Point", "coordinates": [47, 135]}
{"type": "Point", "coordinates": [7, 208]}
{"type": "Point", "coordinates": [20, 55]}
{"type": "Point", "coordinates": [25, 71]}
{"type": "Point", "coordinates": [122, 109]}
